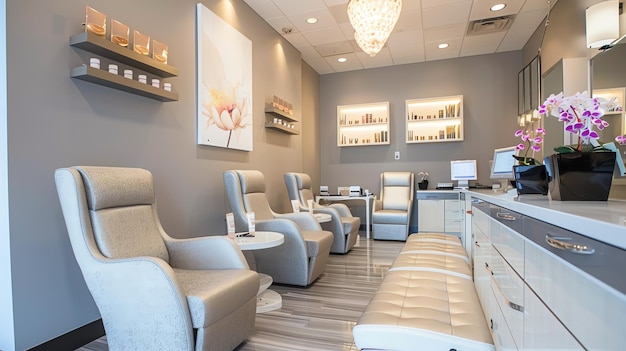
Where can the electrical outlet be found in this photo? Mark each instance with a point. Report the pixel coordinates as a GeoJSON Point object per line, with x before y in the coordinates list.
{"type": "Point", "coordinates": [397, 155]}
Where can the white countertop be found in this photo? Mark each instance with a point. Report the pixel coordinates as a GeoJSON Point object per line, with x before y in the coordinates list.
{"type": "Point", "coordinates": [601, 220]}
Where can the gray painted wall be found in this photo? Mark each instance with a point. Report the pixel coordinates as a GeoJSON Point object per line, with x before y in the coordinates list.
{"type": "Point", "coordinates": [54, 121]}
{"type": "Point", "coordinates": [488, 84]}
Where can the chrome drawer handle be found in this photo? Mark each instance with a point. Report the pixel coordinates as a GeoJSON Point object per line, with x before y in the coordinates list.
{"type": "Point", "coordinates": [562, 243]}
{"type": "Point", "coordinates": [512, 305]}
{"type": "Point", "coordinates": [506, 216]}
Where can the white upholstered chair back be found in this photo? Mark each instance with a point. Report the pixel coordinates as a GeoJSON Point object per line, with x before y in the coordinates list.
{"type": "Point", "coordinates": [395, 189]}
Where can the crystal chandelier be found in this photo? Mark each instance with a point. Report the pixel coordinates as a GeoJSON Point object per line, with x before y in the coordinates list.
{"type": "Point", "coordinates": [373, 21]}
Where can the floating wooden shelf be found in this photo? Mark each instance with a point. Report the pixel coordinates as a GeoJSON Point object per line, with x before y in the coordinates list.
{"type": "Point", "coordinates": [282, 128]}
{"type": "Point", "coordinates": [102, 47]}
{"type": "Point", "coordinates": [278, 113]}
{"type": "Point", "coordinates": [102, 77]}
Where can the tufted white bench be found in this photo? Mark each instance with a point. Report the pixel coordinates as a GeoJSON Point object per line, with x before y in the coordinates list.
{"type": "Point", "coordinates": [427, 301]}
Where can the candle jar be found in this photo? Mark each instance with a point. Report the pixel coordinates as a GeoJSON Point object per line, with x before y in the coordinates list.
{"type": "Point", "coordinates": [141, 43]}
{"type": "Point", "coordinates": [159, 51]}
{"type": "Point", "coordinates": [119, 33]}
{"type": "Point", "coordinates": [95, 22]}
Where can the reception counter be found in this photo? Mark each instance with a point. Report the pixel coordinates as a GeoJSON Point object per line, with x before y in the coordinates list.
{"type": "Point", "coordinates": [549, 274]}
{"type": "Point", "coordinates": [600, 220]}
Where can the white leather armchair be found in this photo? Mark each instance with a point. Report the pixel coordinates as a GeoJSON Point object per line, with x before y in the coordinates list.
{"type": "Point", "coordinates": [153, 292]}
{"type": "Point", "coordinates": [343, 225]}
{"type": "Point", "coordinates": [304, 254]}
{"type": "Point", "coordinates": [391, 213]}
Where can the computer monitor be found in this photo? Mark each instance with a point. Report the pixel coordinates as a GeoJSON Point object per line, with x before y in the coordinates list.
{"type": "Point", "coordinates": [463, 171]}
{"type": "Point", "coordinates": [503, 162]}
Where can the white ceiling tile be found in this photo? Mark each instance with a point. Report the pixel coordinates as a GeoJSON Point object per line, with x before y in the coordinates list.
{"type": "Point", "coordinates": [331, 3]}
{"type": "Point", "coordinates": [297, 40]}
{"type": "Point", "coordinates": [434, 53]}
{"type": "Point", "coordinates": [340, 13]}
{"type": "Point", "coordinates": [290, 7]}
{"type": "Point", "coordinates": [422, 25]}
{"type": "Point", "coordinates": [481, 9]}
{"type": "Point", "coordinates": [411, 5]}
{"type": "Point", "coordinates": [281, 22]}
{"type": "Point", "coordinates": [409, 21]}
{"type": "Point", "coordinates": [383, 58]}
{"type": "Point", "coordinates": [533, 5]}
{"type": "Point", "coordinates": [444, 33]}
{"type": "Point", "coordinates": [265, 8]}
{"type": "Point", "coordinates": [352, 64]}
{"type": "Point", "coordinates": [522, 28]}
{"type": "Point", "coordinates": [324, 19]}
{"type": "Point", "coordinates": [481, 44]}
{"type": "Point", "coordinates": [408, 59]}
{"type": "Point", "coordinates": [434, 3]}
{"type": "Point", "coordinates": [446, 15]}
{"type": "Point", "coordinates": [324, 36]}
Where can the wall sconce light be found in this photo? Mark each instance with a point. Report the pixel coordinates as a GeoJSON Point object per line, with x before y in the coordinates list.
{"type": "Point", "coordinates": [602, 22]}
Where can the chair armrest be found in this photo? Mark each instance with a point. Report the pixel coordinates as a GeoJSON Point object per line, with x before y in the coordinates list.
{"type": "Point", "coordinates": [343, 209]}
{"type": "Point", "coordinates": [209, 252]}
{"type": "Point", "coordinates": [304, 220]}
{"type": "Point", "coordinates": [288, 228]}
{"type": "Point", "coordinates": [141, 297]}
{"type": "Point", "coordinates": [378, 205]}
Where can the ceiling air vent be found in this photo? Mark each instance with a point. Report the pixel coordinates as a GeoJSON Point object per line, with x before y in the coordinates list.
{"type": "Point", "coordinates": [489, 25]}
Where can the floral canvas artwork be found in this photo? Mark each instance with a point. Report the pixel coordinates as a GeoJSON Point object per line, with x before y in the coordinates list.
{"type": "Point", "coordinates": [224, 83]}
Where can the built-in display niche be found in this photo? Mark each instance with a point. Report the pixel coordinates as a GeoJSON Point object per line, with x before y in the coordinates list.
{"type": "Point", "coordinates": [434, 120]}
{"type": "Point", "coordinates": [363, 124]}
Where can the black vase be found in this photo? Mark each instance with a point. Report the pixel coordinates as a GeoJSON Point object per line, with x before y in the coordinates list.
{"type": "Point", "coordinates": [423, 185]}
{"type": "Point", "coordinates": [580, 176]}
{"type": "Point", "coordinates": [531, 179]}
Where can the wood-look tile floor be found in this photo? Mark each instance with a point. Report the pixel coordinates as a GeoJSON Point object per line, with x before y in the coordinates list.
{"type": "Point", "coordinates": [321, 316]}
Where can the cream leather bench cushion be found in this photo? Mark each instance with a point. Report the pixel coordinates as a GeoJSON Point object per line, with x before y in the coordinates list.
{"type": "Point", "coordinates": [433, 263]}
{"type": "Point", "coordinates": [427, 247]}
{"type": "Point", "coordinates": [418, 310]}
{"type": "Point", "coordinates": [435, 237]}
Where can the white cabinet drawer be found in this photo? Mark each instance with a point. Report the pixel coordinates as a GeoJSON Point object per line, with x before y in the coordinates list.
{"type": "Point", "coordinates": [508, 288]}
{"type": "Point", "coordinates": [502, 337]}
{"type": "Point", "coordinates": [542, 330]}
{"type": "Point", "coordinates": [430, 215]}
{"type": "Point", "coordinates": [481, 261]}
{"type": "Point", "coordinates": [506, 237]}
{"type": "Point", "coordinates": [480, 218]}
{"type": "Point", "coordinates": [592, 307]}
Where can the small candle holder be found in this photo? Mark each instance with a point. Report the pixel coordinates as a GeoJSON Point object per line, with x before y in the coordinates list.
{"type": "Point", "coordinates": [141, 43]}
{"type": "Point", "coordinates": [119, 33]}
{"type": "Point", "coordinates": [95, 22]}
{"type": "Point", "coordinates": [159, 51]}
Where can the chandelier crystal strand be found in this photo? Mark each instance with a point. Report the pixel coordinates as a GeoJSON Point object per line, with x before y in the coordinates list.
{"type": "Point", "coordinates": [373, 22]}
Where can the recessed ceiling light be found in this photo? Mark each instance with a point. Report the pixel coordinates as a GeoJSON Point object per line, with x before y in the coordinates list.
{"type": "Point", "coordinates": [311, 20]}
{"type": "Point", "coordinates": [342, 59]}
{"type": "Point", "coordinates": [443, 45]}
{"type": "Point", "coordinates": [497, 7]}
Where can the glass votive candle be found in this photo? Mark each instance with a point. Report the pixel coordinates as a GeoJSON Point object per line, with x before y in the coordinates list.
{"type": "Point", "coordinates": [119, 33]}
{"type": "Point", "coordinates": [95, 22]}
{"type": "Point", "coordinates": [159, 51]}
{"type": "Point", "coordinates": [141, 43]}
{"type": "Point", "coordinates": [167, 86]}
{"type": "Point", "coordinates": [156, 83]}
{"type": "Point", "coordinates": [128, 73]}
{"type": "Point", "coordinates": [142, 78]}
{"type": "Point", "coordinates": [113, 69]}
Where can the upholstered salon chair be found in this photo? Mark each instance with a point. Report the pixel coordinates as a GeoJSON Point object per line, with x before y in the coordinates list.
{"type": "Point", "coordinates": [343, 225]}
{"type": "Point", "coordinates": [391, 213]}
{"type": "Point", "coordinates": [153, 292]}
{"type": "Point", "coordinates": [304, 254]}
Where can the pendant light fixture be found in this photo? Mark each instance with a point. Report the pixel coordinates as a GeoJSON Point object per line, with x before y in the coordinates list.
{"type": "Point", "coordinates": [602, 22]}
{"type": "Point", "coordinates": [373, 22]}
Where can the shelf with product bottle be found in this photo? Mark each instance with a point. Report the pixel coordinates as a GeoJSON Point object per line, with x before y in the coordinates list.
{"type": "Point", "coordinates": [434, 120]}
{"type": "Point", "coordinates": [363, 124]}
{"type": "Point", "coordinates": [615, 114]}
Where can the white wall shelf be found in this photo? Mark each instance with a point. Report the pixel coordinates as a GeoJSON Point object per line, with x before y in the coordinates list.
{"type": "Point", "coordinates": [434, 120]}
{"type": "Point", "coordinates": [617, 125]}
{"type": "Point", "coordinates": [363, 124]}
{"type": "Point", "coordinates": [92, 43]}
{"type": "Point", "coordinates": [281, 121]}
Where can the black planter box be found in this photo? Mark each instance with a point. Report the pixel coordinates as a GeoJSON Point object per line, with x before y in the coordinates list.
{"type": "Point", "coordinates": [580, 176]}
{"type": "Point", "coordinates": [531, 179]}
